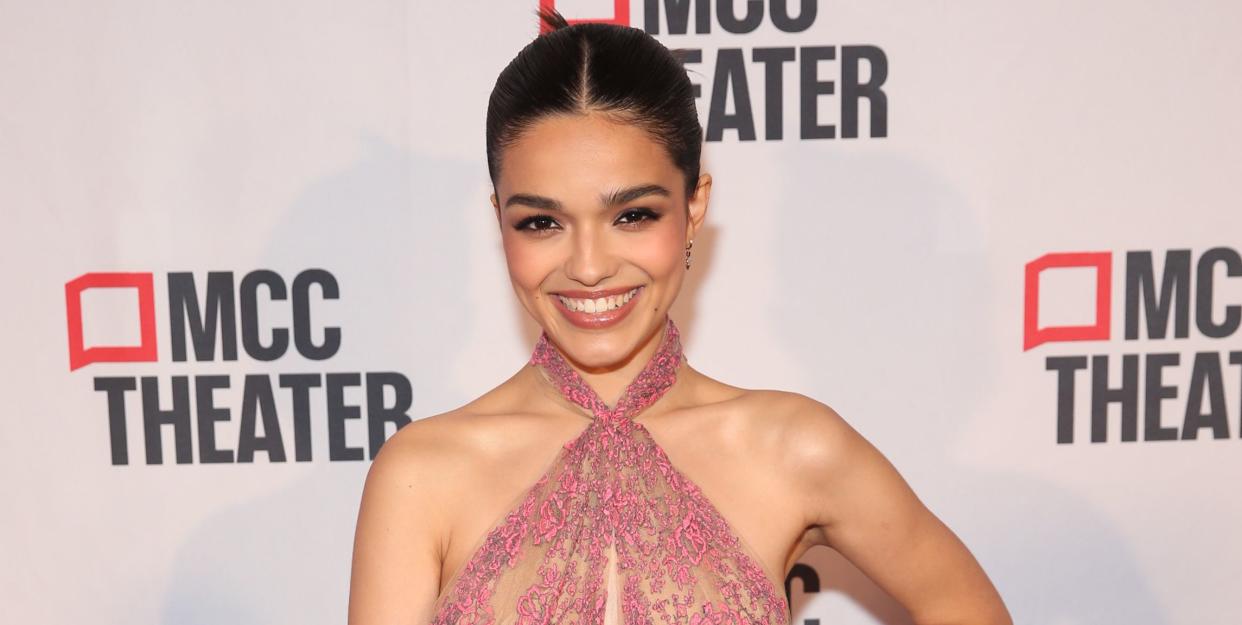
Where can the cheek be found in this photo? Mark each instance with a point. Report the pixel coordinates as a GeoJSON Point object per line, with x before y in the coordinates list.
{"type": "Point", "coordinates": [528, 262]}
{"type": "Point", "coordinates": [662, 252]}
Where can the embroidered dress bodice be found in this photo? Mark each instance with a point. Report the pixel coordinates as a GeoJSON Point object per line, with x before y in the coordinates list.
{"type": "Point", "coordinates": [612, 532]}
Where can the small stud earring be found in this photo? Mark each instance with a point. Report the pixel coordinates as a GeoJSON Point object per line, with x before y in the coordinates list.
{"type": "Point", "coordinates": [688, 246]}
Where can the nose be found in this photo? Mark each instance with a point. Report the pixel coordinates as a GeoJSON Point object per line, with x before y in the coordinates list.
{"type": "Point", "coordinates": [590, 258]}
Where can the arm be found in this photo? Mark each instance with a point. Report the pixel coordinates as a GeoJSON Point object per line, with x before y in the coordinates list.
{"type": "Point", "coordinates": [864, 509]}
{"type": "Point", "coordinates": [396, 563]}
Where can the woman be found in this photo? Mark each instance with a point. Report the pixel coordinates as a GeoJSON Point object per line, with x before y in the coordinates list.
{"type": "Point", "coordinates": [608, 481]}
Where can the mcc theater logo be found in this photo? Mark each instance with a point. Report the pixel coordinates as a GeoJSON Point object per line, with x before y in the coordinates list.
{"type": "Point", "coordinates": [860, 71]}
{"type": "Point", "coordinates": [1183, 299]}
{"type": "Point", "coordinates": [212, 329]}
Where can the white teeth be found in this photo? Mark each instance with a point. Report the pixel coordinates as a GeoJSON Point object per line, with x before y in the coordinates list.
{"type": "Point", "coordinates": [600, 304]}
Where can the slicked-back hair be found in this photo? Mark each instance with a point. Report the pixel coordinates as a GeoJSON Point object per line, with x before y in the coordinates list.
{"type": "Point", "coordinates": [588, 67]}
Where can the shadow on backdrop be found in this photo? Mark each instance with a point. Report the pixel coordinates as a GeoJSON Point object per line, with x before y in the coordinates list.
{"type": "Point", "coordinates": [390, 229]}
{"type": "Point", "coordinates": [898, 270]}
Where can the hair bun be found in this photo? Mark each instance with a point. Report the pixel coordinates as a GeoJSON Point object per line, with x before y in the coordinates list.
{"type": "Point", "coordinates": [550, 19]}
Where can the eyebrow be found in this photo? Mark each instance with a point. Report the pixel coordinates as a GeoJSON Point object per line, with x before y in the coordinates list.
{"type": "Point", "coordinates": [533, 201]}
{"type": "Point", "coordinates": [619, 196]}
{"type": "Point", "coordinates": [629, 194]}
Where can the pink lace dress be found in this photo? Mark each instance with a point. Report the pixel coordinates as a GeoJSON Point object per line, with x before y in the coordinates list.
{"type": "Point", "coordinates": [612, 532]}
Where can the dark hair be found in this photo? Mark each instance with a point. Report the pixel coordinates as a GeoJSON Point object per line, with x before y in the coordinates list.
{"type": "Point", "coordinates": [587, 67]}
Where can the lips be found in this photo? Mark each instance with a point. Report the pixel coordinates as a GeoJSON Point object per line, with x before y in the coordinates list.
{"type": "Point", "coordinates": [596, 309]}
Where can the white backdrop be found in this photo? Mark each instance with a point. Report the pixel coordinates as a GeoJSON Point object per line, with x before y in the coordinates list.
{"type": "Point", "coordinates": [881, 275]}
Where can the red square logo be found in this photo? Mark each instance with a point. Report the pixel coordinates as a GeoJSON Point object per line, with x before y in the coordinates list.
{"type": "Point", "coordinates": [1032, 334]}
{"type": "Point", "coordinates": [145, 351]}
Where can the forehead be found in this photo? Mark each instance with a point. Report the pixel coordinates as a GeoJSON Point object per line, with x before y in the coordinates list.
{"type": "Point", "coordinates": [583, 155]}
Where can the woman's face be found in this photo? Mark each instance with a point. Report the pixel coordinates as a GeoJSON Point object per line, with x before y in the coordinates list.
{"type": "Point", "coordinates": [595, 221]}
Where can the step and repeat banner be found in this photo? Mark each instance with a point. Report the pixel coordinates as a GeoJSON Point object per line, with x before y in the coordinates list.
{"type": "Point", "coordinates": [245, 242]}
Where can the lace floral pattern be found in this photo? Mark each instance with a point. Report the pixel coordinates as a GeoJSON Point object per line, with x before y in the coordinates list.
{"type": "Point", "coordinates": [612, 532]}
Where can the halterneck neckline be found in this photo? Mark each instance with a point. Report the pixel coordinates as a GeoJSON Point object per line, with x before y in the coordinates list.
{"type": "Point", "coordinates": [656, 377]}
{"type": "Point", "coordinates": [578, 545]}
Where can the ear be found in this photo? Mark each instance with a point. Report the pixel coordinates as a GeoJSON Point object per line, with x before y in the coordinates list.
{"type": "Point", "coordinates": [496, 206]}
{"type": "Point", "coordinates": [698, 205]}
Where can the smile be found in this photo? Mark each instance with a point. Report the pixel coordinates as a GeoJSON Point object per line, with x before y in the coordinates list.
{"type": "Point", "coordinates": [599, 304]}
{"type": "Point", "coordinates": [598, 309]}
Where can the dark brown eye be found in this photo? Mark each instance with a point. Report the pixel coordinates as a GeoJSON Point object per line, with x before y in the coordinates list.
{"type": "Point", "coordinates": [536, 223]}
{"type": "Point", "coordinates": [637, 215]}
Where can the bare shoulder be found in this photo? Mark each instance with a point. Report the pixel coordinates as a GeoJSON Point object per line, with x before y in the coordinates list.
{"type": "Point", "coordinates": [422, 450]}
{"type": "Point", "coordinates": [820, 453]}
{"type": "Point", "coordinates": [426, 440]}
{"type": "Point", "coordinates": [433, 448]}
{"type": "Point", "coordinates": [431, 458]}
{"type": "Point", "coordinates": [415, 474]}
{"type": "Point", "coordinates": [815, 432]}
{"type": "Point", "coordinates": [408, 507]}
{"type": "Point", "coordinates": [399, 538]}
{"type": "Point", "coordinates": [430, 461]}
{"type": "Point", "coordinates": [784, 404]}
{"type": "Point", "coordinates": [808, 439]}
{"type": "Point", "coordinates": [809, 429]}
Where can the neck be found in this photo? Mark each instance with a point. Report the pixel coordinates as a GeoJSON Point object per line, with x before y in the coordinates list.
{"type": "Point", "coordinates": [610, 382]}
